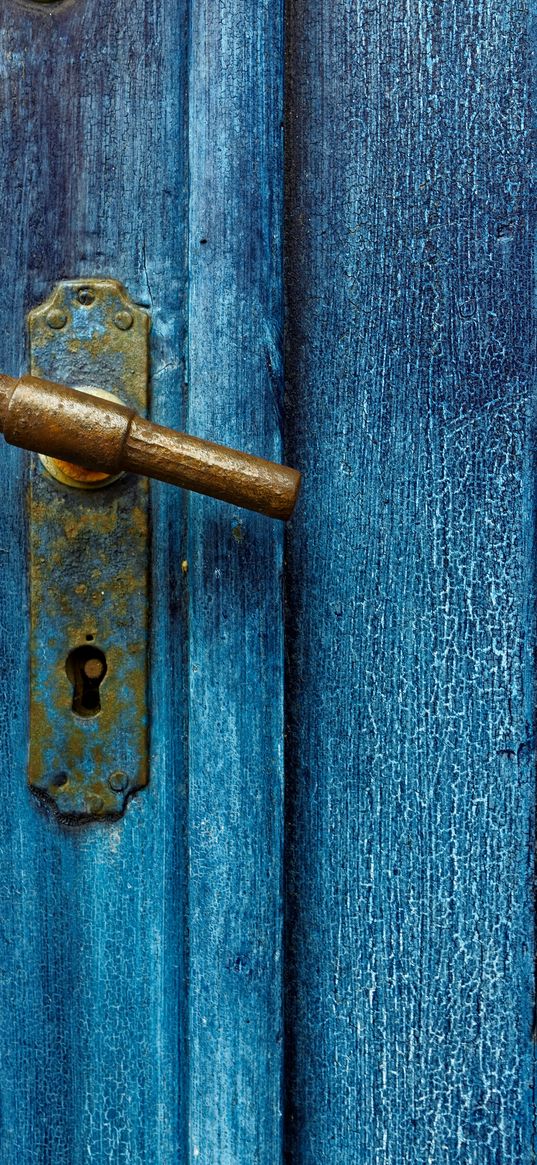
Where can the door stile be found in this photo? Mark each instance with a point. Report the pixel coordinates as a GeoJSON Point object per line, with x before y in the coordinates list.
{"type": "Point", "coordinates": [234, 578]}
{"type": "Point", "coordinates": [92, 182]}
{"type": "Point", "coordinates": [411, 584]}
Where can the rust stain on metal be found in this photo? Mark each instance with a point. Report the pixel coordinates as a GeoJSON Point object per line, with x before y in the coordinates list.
{"type": "Point", "coordinates": [78, 428]}
{"type": "Point", "coordinates": [87, 438]}
{"type": "Point", "coordinates": [89, 574]}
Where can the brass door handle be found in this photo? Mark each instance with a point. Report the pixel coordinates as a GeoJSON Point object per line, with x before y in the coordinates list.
{"type": "Point", "coordinates": [109, 437]}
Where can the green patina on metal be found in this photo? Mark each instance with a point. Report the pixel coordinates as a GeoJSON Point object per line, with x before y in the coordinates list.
{"type": "Point", "coordinates": [89, 570]}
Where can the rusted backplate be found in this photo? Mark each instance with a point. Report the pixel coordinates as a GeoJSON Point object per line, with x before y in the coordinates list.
{"type": "Point", "coordinates": [89, 572]}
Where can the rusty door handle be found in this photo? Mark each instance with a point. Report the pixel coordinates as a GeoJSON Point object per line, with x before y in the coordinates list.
{"type": "Point", "coordinates": [106, 436]}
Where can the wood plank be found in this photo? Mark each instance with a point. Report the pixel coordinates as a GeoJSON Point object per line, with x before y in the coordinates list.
{"type": "Point", "coordinates": [234, 572]}
{"type": "Point", "coordinates": [411, 766]}
{"type": "Point", "coordinates": [92, 959]}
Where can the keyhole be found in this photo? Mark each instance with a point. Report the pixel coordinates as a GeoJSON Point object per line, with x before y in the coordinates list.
{"type": "Point", "coordinates": [86, 668]}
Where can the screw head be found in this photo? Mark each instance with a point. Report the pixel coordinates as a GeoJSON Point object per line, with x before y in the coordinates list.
{"type": "Point", "coordinates": [86, 296]}
{"type": "Point", "coordinates": [118, 782]}
{"type": "Point", "coordinates": [124, 320]}
{"type": "Point", "coordinates": [56, 318]}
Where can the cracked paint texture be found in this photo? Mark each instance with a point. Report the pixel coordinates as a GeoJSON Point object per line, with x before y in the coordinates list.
{"type": "Point", "coordinates": [410, 597]}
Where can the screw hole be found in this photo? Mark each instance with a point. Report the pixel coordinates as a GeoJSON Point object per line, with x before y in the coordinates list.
{"type": "Point", "coordinates": [86, 296]}
{"type": "Point", "coordinates": [58, 780]}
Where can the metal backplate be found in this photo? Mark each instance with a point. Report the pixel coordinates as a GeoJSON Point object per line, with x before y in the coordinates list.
{"type": "Point", "coordinates": [89, 573]}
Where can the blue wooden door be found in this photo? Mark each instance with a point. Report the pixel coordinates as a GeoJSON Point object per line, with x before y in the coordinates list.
{"type": "Point", "coordinates": [143, 963]}
{"type": "Point", "coordinates": [410, 584]}
{"type": "Point", "coordinates": [140, 966]}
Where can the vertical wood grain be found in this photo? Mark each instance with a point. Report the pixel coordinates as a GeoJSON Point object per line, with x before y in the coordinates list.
{"type": "Point", "coordinates": [234, 573]}
{"type": "Point", "coordinates": [411, 763]}
{"type": "Point", "coordinates": [140, 989]}
{"type": "Point", "coordinates": [92, 959]}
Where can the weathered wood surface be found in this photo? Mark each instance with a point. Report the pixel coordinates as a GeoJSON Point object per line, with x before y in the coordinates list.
{"type": "Point", "coordinates": [411, 767]}
{"type": "Point", "coordinates": [91, 988]}
{"type": "Point", "coordinates": [234, 571]}
{"type": "Point", "coordinates": [101, 938]}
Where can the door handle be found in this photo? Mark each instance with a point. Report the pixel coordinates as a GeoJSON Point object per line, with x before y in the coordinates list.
{"type": "Point", "coordinates": [103, 435]}
{"type": "Point", "coordinates": [90, 555]}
